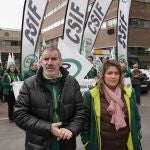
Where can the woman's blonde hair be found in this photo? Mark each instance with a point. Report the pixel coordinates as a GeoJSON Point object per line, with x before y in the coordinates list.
{"type": "Point", "coordinates": [106, 65]}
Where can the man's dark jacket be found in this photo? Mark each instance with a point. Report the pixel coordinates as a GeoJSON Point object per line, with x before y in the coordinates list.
{"type": "Point", "coordinates": [34, 110]}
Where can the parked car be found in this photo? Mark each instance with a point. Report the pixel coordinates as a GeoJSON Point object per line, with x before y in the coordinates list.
{"type": "Point", "coordinates": [144, 84]}
{"type": "Point", "coordinates": [147, 72]}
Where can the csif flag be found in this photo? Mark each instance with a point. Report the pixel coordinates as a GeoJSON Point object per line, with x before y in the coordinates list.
{"type": "Point", "coordinates": [93, 25]}
{"type": "Point", "coordinates": [122, 29]}
{"type": "Point", "coordinates": [33, 15]}
{"type": "Point", "coordinates": [74, 23]}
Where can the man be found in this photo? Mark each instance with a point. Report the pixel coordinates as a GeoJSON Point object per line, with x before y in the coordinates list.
{"type": "Point", "coordinates": [136, 83]}
{"type": "Point", "coordinates": [50, 106]}
{"type": "Point", "coordinates": [33, 67]}
{"type": "Point", "coordinates": [1, 88]}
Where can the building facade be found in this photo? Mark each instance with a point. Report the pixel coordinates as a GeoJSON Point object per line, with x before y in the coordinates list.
{"type": "Point", "coordinates": [138, 33]}
{"type": "Point", "coordinates": [10, 41]}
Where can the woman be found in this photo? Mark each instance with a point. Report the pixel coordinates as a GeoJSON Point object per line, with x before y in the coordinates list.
{"type": "Point", "coordinates": [10, 75]}
{"type": "Point", "coordinates": [113, 121]}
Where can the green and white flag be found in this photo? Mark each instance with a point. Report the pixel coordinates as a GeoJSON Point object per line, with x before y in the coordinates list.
{"type": "Point", "coordinates": [33, 15]}
{"type": "Point", "coordinates": [76, 64]}
{"type": "Point", "coordinates": [122, 30]}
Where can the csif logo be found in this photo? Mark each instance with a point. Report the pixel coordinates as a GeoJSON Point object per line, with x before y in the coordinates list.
{"type": "Point", "coordinates": [29, 59]}
{"type": "Point", "coordinates": [74, 65]}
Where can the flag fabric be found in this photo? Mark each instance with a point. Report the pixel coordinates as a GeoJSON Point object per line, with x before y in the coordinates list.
{"type": "Point", "coordinates": [43, 44]}
{"type": "Point", "coordinates": [97, 63]}
{"type": "Point", "coordinates": [112, 53]}
{"type": "Point", "coordinates": [13, 58]}
{"type": "Point", "coordinates": [77, 65]}
{"type": "Point", "coordinates": [122, 29]}
{"type": "Point", "coordinates": [93, 25]}
{"type": "Point", "coordinates": [74, 23]}
{"type": "Point", "coordinates": [33, 15]}
{"type": "Point", "coordinates": [16, 88]}
{"type": "Point", "coordinates": [10, 60]}
{"type": "Point", "coordinates": [37, 54]}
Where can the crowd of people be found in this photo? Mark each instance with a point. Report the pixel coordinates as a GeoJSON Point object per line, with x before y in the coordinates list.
{"type": "Point", "coordinates": [8, 75]}
{"type": "Point", "coordinates": [52, 110]}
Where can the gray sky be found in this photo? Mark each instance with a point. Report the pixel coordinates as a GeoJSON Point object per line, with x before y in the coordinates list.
{"type": "Point", "coordinates": [11, 13]}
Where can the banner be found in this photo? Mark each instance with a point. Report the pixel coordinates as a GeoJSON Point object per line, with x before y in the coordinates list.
{"type": "Point", "coordinates": [76, 64]}
{"type": "Point", "coordinates": [74, 23]}
{"type": "Point", "coordinates": [31, 26]}
{"type": "Point", "coordinates": [16, 88]}
{"type": "Point", "coordinates": [127, 82]}
{"type": "Point", "coordinates": [122, 30]}
{"type": "Point", "coordinates": [93, 25]}
{"type": "Point", "coordinates": [13, 57]}
{"type": "Point", "coordinates": [43, 44]}
{"type": "Point", "coordinates": [10, 60]}
{"type": "Point", "coordinates": [112, 54]}
{"type": "Point", "coordinates": [86, 84]}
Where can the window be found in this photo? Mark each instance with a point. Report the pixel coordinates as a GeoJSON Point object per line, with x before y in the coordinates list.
{"type": "Point", "coordinates": [147, 24]}
{"type": "Point", "coordinates": [55, 9]}
{"type": "Point", "coordinates": [6, 34]}
{"type": "Point", "coordinates": [147, 1]}
{"type": "Point", "coordinates": [134, 22]}
{"type": "Point", "coordinates": [52, 26]}
{"type": "Point", "coordinates": [10, 43]}
{"type": "Point", "coordinates": [6, 43]}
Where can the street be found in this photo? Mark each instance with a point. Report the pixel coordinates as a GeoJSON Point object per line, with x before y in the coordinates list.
{"type": "Point", "coordinates": [12, 138]}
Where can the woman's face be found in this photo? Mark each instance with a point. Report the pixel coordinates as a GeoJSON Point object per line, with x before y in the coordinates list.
{"type": "Point", "coordinates": [12, 69]}
{"type": "Point", "coordinates": [111, 77]}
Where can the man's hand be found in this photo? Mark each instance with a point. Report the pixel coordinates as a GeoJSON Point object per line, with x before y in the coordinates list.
{"type": "Point", "coordinates": [65, 134]}
{"type": "Point", "coordinates": [55, 128]}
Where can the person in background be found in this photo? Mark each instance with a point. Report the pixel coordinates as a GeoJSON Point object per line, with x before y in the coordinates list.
{"type": "Point", "coordinates": [33, 67]}
{"type": "Point", "coordinates": [136, 83]}
{"type": "Point", "coordinates": [10, 75]}
{"type": "Point", "coordinates": [125, 71]}
{"type": "Point", "coordinates": [113, 118]}
{"type": "Point", "coordinates": [93, 72]}
{"type": "Point", "coordinates": [1, 88]}
{"type": "Point", "coordinates": [126, 74]}
{"type": "Point", "coordinates": [50, 106]}
{"type": "Point", "coordinates": [103, 60]}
